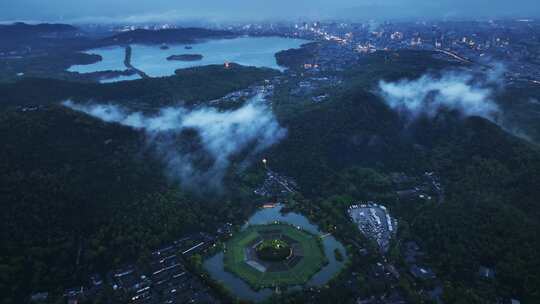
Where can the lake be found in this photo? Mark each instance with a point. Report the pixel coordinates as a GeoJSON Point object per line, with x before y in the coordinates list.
{"type": "Point", "coordinates": [151, 59]}
{"type": "Point", "coordinates": [215, 266]}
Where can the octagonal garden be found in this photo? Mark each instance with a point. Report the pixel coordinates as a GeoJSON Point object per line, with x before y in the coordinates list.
{"type": "Point", "coordinates": [274, 255]}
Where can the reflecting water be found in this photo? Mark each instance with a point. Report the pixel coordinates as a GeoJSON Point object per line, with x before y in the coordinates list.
{"type": "Point", "coordinates": [151, 59]}
{"type": "Point", "coordinates": [237, 286]}
{"type": "Point", "coordinates": [112, 59]}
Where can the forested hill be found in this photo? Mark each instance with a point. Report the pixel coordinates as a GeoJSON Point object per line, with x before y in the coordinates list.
{"type": "Point", "coordinates": [47, 35]}
{"type": "Point", "coordinates": [65, 178]}
{"type": "Point", "coordinates": [491, 212]}
{"type": "Point", "coordinates": [19, 30]}
{"type": "Point", "coordinates": [70, 183]}
{"type": "Point", "coordinates": [181, 35]}
{"type": "Point", "coordinates": [188, 86]}
{"type": "Point", "coordinates": [81, 196]}
{"type": "Point", "coordinates": [22, 37]}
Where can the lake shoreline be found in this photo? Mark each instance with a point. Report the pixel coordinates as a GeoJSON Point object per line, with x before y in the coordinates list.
{"type": "Point", "coordinates": [153, 61]}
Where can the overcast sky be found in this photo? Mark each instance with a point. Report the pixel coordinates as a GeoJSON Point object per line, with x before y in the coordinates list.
{"type": "Point", "coordinates": [243, 10]}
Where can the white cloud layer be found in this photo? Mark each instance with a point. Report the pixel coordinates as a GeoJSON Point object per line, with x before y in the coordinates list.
{"type": "Point", "coordinates": [427, 95]}
{"type": "Point", "coordinates": [223, 135]}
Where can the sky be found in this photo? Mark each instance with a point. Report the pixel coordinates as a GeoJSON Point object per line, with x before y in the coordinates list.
{"type": "Point", "coordinates": [256, 10]}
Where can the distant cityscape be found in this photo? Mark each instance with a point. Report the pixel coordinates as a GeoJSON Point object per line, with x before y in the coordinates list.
{"type": "Point", "coordinates": [512, 43]}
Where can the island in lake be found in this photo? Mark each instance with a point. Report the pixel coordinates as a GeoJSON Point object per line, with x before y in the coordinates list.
{"type": "Point", "coordinates": [186, 57]}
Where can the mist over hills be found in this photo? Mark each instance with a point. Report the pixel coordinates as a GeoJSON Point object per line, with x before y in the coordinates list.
{"type": "Point", "coordinates": [100, 179]}
{"type": "Point", "coordinates": [249, 129]}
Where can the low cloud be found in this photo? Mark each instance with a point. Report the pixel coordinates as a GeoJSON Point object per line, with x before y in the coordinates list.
{"type": "Point", "coordinates": [471, 95]}
{"type": "Point", "coordinates": [168, 16]}
{"type": "Point", "coordinates": [219, 135]}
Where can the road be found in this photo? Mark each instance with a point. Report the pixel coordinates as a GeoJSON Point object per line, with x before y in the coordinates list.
{"type": "Point", "coordinates": [455, 56]}
{"type": "Point", "coordinates": [129, 66]}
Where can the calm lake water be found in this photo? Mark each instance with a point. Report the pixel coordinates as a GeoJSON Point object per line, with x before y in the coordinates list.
{"type": "Point", "coordinates": [151, 59]}
{"type": "Point", "coordinates": [214, 265]}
